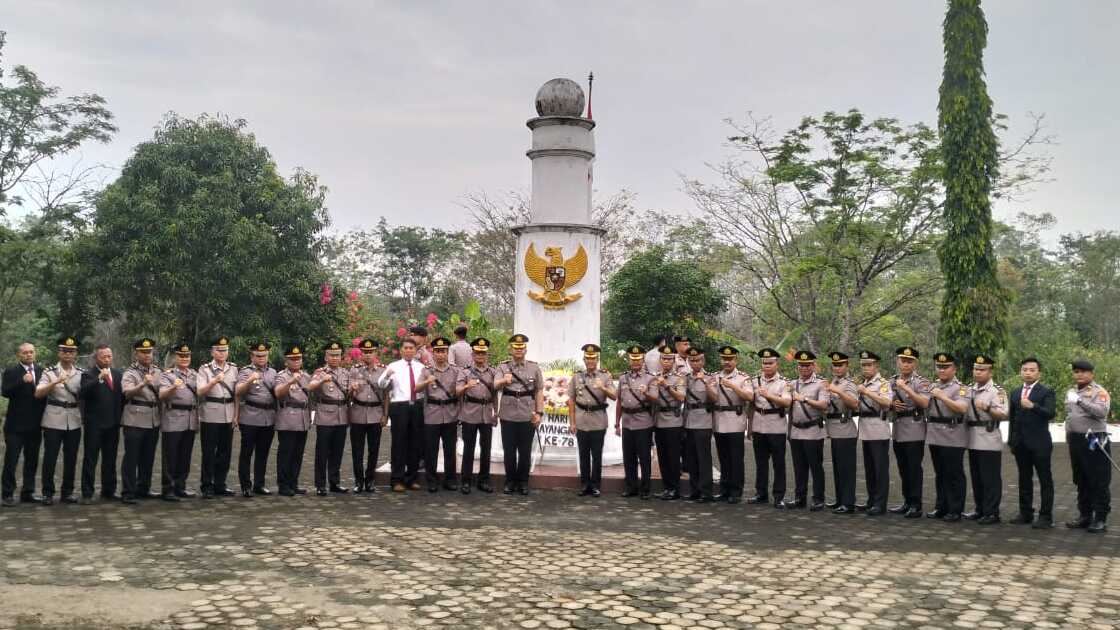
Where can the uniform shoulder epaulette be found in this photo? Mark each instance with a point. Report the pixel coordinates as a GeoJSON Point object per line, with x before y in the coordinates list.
{"type": "Point", "coordinates": [528, 362]}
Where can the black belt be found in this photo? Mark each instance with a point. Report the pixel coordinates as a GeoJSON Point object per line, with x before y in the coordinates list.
{"type": "Point", "coordinates": [257, 405]}
{"type": "Point", "coordinates": [142, 403]}
{"type": "Point", "coordinates": [367, 403]}
{"type": "Point", "coordinates": [224, 401]}
{"type": "Point", "coordinates": [808, 423]}
{"type": "Point", "coordinates": [331, 401]}
{"type": "Point", "coordinates": [943, 420]}
{"type": "Point", "coordinates": [736, 408]}
{"type": "Point", "coordinates": [772, 411]}
{"type": "Point", "coordinates": [179, 407]}
{"type": "Point", "coordinates": [64, 405]}
{"type": "Point", "coordinates": [590, 408]}
{"type": "Point", "coordinates": [633, 410]}
{"type": "Point", "coordinates": [486, 401]}
{"type": "Point", "coordinates": [294, 405]}
{"type": "Point", "coordinates": [439, 403]}
{"type": "Point", "coordinates": [691, 406]}
{"type": "Point", "coordinates": [516, 394]}
{"type": "Point", "coordinates": [982, 423]}
{"type": "Point", "coordinates": [910, 413]}
{"type": "Point", "coordinates": [838, 416]}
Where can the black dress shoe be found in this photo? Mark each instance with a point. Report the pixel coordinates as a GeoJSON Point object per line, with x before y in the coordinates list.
{"type": "Point", "coordinates": [148, 494]}
{"type": "Point", "coordinates": [321, 492]}
{"type": "Point", "coordinates": [899, 509]}
{"type": "Point", "coordinates": [936, 514]}
{"type": "Point", "coordinates": [645, 496]}
{"type": "Point", "coordinates": [779, 504]}
{"type": "Point", "coordinates": [971, 516]}
{"type": "Point", "coordinates": [450, 485]}
{"type": "Point", "coordinates": [111, 497]}
{"type": "Point", "coordinates": [30, 498]}
{"type": "Point", "coordinates": [719, 497]}
{"type": "Point", "coordinates": [508, 488]}
{"type": "Point", "coordinates": [339, 490]}
{"type": "Point", "coordinates": [843, 509]}
{"type": "Point", "coordinates": [370, 488]}
{"type": "Point", "coordinates": [46, 500]}
{"type": "Point", "coordinates": [988, 519]}
{"type": "Point", "coordinates": [172, 498]}
{"type": "Point", "coordinates": [914, 512]}
{"type": "Point", "coordinates": [952, 517]}
{"type": "Point", "coordinates": [7, 502]}
{"type": "Point", "coordinates": [862, 507]}
{"type": "Point", "coordinates": [206, 494]}
{"type": "Point", "coordinates": [465, 488]}
{"type": "Point", "coordinates": [299, 490]}
{"type": "Point", "coordinates": [85, 500]}
{"type": "Point", "coordinates": [732, 500]}
{"type": "Point", "coordinates": [790, 504]}
{"type": "Point", "coordinates": [185, 494]}
{"type": "Point", "coordinates": [433, 487]}
{"type": "Point", "coordinates": [706, 498]}
{"type": "Point", "coordinates": [756, 499]}
{"type": "Point", "coordinates": [70, 498]}
{"type": "Point", "coordinates": [875, 511]}
{"type": "Point", "coordinates": [695, 496]}
{"type": "Point", "coordinates": [596, 493]}
{"type": "Point", "coordinates": [1022, 519]}
{"type": "Point", "coordinates": [127, 500]}
{"type": "Point", "coordinates": [247, 493]}
{"type": "Point", "coordinates": [224, 492]}
{"type": "Point", "coordinates": [261, 490]}
{"type": "Point", "coordinates": [586, 490]}
{"type": "Point", "coordinates": [359, 489]}
{"type": "Point", "coordinates": [626, 494]}
{"type": "Point", "coordinates": [816, 506]}
{"type": "Point", "coordinates": [1098, 526]}
{"type": "Point", "coordinates": [832, 505]}
{"type": "Point", "coordinates": [286, 492]}
{"type": "Point", "coordinates": [523, 490]}
{"type": "Point", "coordinates": [484, 486]}
{"type": "Point", "coordinates": [1043, 522]}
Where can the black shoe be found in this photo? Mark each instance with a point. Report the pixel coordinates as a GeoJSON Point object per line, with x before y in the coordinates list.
{"type": "Point", "coordinates": [645, 496]}
{"type": "Point", "coordinates": [875, 511]}
{"type": "Point", "coordinates": [843, 509]}
{"type": "Point", "coordinates": [112, 496]}
{"type": "Point", "coordinates": [899, 509]}
{"type": "Point", "coordinates": [862, 507]}
{"type": "Point", "coordinates": [224, 492]}
{"type": "Point", "coordinates": [757, 499]}
{"type": "Point", "coordinates": [484, 486]}
{"type": "Point", "coordinates": [370, 488]}
{"type": "Point", "coordinates": [30, 498]}
{"type": "Point", "coordinates": [1098, 526]}
{"type": "Point", "coordinates": [7, 502]}
{"type": "Point", "coordinates": [261, 490]}
{"type": "Point", "coordinates": [299, 490]}
{"type": "Point", "coordinates": [732, 500]}
{"type": "Point", "coordinates": [450, 485]}
{"type": "Point", "coordinates": [670, 495]}
{"type": "Point", "coordinates": [914, 512]}
{"type": "Point", "coordinates": [185, 494]}
{"type": "Point", "coordinates": [70, 498]}
{"type": "Point", "coordinates": [285, 492]}
{"type": "Point", "coordinates": [971, 516]}
{"type": "Point", "coordinates": [523, 490]}
{"type": "Point", "coordinates": [1043, 522]}
{"type": "Point", "coordinates": [336, 489]}
{"type": "Point", "coordinates": [626, 494]}
{"type": "Point", "coordinates": [1022, 519]}
{"type": "Point", "coordinates": [936, 514]}
{"type": "Point", "coordinates": [148, 494]}
{"type": "Point", "coordinates": [127, 500]}
{"type": "Point", "coordinates": [596, 493]}
{"type": "Point", "coordinates": [1080, 522]}
{"type": "Point", "coordinates": [46, 500]}
{"type": "Point", "coordinates": [832, 505]}
{"type": "Point", "coordinates": [779, 504]}
{"type": "Point", "coordinates": [695, 496]}
{"type": "Point", "coordinates": [952, 517]}
{"type": "Point", "coordinates": [247, 493]}
{"type": "Point", "coordinates": [206, 494]}
{"type": "Point", "coordinates": [790, 504]}
{"type": "Point", "coordinates": [816, 506]}
{"type": "Point", "coordinates": [321, 492]}
{"type": "Point", "coordinates": [465, 488]}
{"type": "Point", "coordinates": [988, 519]}
{"type": "Point", "coordinates": [585, 491]}
{"type": "Point", "coordinates": [86, 500]}
{"type": "Point", "coordinates": [172, 498]}
{"type": "Point", "coordinates": [358, 489]}
{"type": "Point", "coordinates": [706, 498]}
{"type": "Point", "coordinates": [719, 497]}
{"type": "Point", "coordinates": [508, 488]}
{"type": "Point", "coordinates": [433, 487]}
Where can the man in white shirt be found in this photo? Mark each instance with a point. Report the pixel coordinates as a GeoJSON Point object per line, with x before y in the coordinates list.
{"type": "Point", "coordinates": [406, 416]}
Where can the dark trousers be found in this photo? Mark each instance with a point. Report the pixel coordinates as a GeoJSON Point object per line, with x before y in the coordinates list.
{"type": "Point", "coordinates": [908, 457]}
{"type": "Point", "coordinates": [176, 460]}
{"type": "Point", "coordinates": [517, 450]}
{"type": "Point", "coordinates": [434, 434]}
{"type": "Point", "coordinates": [590, 445]}
{"type": "Point", "coordinates": [769, 450]}
{"type": "Point", "coordinates": [843, 451]}
{"type": "Point", "coordinates": [66, 441]}
{"type": "Point", "coordinates": [16, 442]}
{"type": "Point", "coordinates": [669, 441]}
{"type": "Point", "coordinates": [1092, 475]}
{"type": "Point", "coordinates": [365, 445]}
{"type": "Point", "coordinates": [139, 458]}
{"type": "Point", "coordinates": [876, 472]}
{"type": "Point", "coordinates": [730, 449]}
{"type": "Point", "coordinates": [100, 443]}
{"type": "Point", "coordinates": [256, 442]}
{"type": "Point", "coordinates": [948, 471]}
{"type": "Point", "coordinates": [987, 482]}
{"type": "Point", "coordinates": [406, 424]}
{"type": "Point", "coordinates": [484, 435]}
{"type": "Point", "coordinates": [637, 445]}
{"type": "Point", "coordinates": [289, 458]}
{"type": "Point", "coordinates": [330, 442]}
{"type": "Point", "coordinates": [808, 458]}
{"type": "Point", "coordinates": [1032, 461]}
{"type": "Point", "coordinates": [698, 444]}
{"type": "Point", "coordinates": [217, 450]}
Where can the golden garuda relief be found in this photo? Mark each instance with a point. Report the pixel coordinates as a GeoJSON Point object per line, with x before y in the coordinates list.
{"type": "Point", "coordinates": [555, 275]}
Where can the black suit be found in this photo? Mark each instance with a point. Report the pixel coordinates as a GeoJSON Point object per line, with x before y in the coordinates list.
{"type": "Point", "coordinates": [1030, 442]}
{"type": "Point", "coordinates": [102, 407]}
{"type": "Point", "coordinates": [22, 432]}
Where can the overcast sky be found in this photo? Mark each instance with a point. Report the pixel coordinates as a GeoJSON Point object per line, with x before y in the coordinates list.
{"type": "Point", "coordinates": [404, 108]}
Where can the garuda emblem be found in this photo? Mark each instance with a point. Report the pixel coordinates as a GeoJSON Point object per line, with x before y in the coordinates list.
{"type": "Point", "coordinates": [555, 275]}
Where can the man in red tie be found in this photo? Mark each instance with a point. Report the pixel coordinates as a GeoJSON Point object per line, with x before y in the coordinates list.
{"type": "Point", "coordinates": [1032, 409]}
{"type": "Point", "coordinates": [102, 403]}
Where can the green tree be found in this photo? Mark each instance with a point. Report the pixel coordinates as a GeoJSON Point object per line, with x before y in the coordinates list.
{"type": "Point", "coordinates": [1093, 287]}
{"type": "Point", "coordinates": [974, 306]}
{"type": "Point", "coordinates": [201, 236]}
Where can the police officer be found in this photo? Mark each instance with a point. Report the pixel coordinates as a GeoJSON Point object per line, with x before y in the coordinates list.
{"type": "Point", "coordinates": [730, 391]}
{"type": "Point", "coordinates": [947, 436]}
{"type": "Point", "coordinates": [806, 436]}
{"type": "Point", "coordinates": [1087, 405]}
{"type": "Point", "coordinates": [522, 404]}
{"type": "Point", "coordinates": [256, 418]}
{"type": "Point", "coordinates": [587, 418]}
{"type": "Point", "coordinates": [767, 428]}
{"type": "Point", "coordinates": [478, 414]}
{"type": "Point", "coordinates": [369, 413]}
{"type": "Point", "coordinates": [909, 430]}
{"type": "Point", "coordinates": [986, 408]}
{"type": "Point", "coordinates": [178, 391]}
{"type": "Point", "coordinates": [331, 386]}
{"type": "Point", "coordinates": [62, 419]}
{"type": "Point", "coordinates": [842, 434]}
{"type": "Point", "coordinates": [140, 421]}
{"type": "Point", "coordinates": [441, 415]}
{"type": "Point", "coordinates": [217, 415]}
{"type": "Point", "coordinates": [293, 421]}
{"type": "Point", "coordinates": [633, 420]}
{"type": "Point", "coordinates": [668, 424]}
{"type": "Point", "coordinates": [874, 395]}
{"type": "Point", "coordinates": [698, 428]}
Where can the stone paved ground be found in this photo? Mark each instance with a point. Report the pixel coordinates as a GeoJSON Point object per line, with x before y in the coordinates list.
{"type": "Point", "coordinates": [552, 560]}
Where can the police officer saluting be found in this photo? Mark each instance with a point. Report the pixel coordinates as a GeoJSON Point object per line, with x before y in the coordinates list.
{"type": "Point", "coordinates": [441, 411]}
{"type": "Point", "coordinates": [874, 433]}
{"type": "Point", "coordinates": [477, 414]}
{"type": "Point", "coordinates": [179, 423]}
{"type": "Point", "coordinates": [522, 404]}
{"type": "Point", "coordinates": [767, 428]}
{"type": "Point", "coordinates": [909, 430]}
{"type": "Point", "coordinates": [806, 436]}
{"type": "Point", "coordinates": [668, 429]}
{"type": "Point", "coordinates": [331, 385]}
{"type": "Point", "coordinates": [293, 421]}
{"type": "Point", "coordinates": [256, 418]}
{"type": "Point", "coordinates": [698, 428]}
{"type": "Point", "coordinates": [947, 436]}
{"type": "Point", "coordinates": [986, 408]}
{"type": "Point", "coordinates": [730, 391]}
{"type": "Point", "coordinates": [1087, 405]}
{"type": "Point", "coordinates": [369, 413]}
{"type": "Point", "coordinates": [62, 419]}
{"type": "Point", "coordinates": [140, 421]}
{"type": "Point", "coordinates": [216, 381]}
{"type": "Point", "coordinates": [842, 434]}
{"type": "Point", "coordinates": [587, 418]}
{"type": "Point", "coordinates": [633, 420]}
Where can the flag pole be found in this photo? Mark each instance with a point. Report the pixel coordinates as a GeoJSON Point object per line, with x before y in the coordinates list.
{"type": "Point", "coordinates": [590, 82]}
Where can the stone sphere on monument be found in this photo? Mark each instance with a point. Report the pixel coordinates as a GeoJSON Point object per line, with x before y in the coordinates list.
{"type": "Point", "coordinates": [560, 97]}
